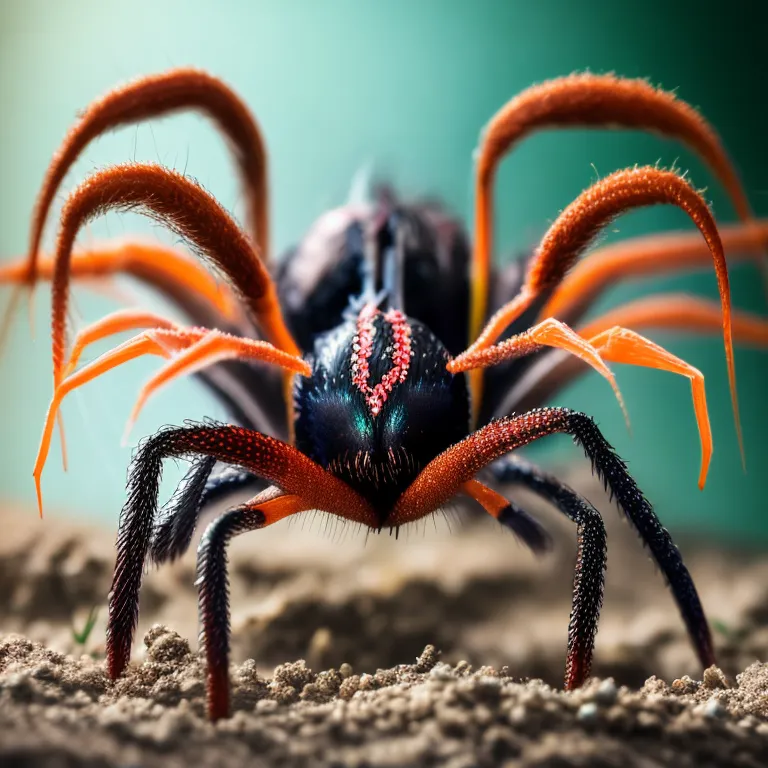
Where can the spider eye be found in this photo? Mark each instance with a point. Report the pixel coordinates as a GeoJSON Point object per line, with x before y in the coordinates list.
{"type": "Point", "coordinates": [396, 420]}
{"type": "Point", "coordinates": [363, 425]}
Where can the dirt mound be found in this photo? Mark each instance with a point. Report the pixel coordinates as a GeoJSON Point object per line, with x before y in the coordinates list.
{"type": "Point", "coordinates": [363, 612]}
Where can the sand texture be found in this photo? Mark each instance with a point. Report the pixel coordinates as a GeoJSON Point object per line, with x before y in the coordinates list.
{"type": "Point", "coordinates": [365, 615]}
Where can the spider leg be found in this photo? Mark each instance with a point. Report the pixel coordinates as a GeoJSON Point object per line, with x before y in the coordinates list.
{"type": "Point", "coordinates": [116, 322]}
{"type": "Point", "coordinates": [443, 477]}
{"type": "Point", "coordinates": [553, 370]}
{"type": "Point", "coordinates": [190, 212]}
{"type": "Point", "coordinates": [179, 277]}
{"type": "Point", "coordinates": [527, 528]}
{"type": "Point", "coordinates": [155, 96]}
{"type": "Point", "coordinates": [214, 347]}
{"type": "Point", "coordinates": [620, 345]}
{"type": "Point", "coordinates": [154, 342]}
{"type": "Point", "coordinates": [577, 226]}
{"type": "Point", "coordinates": [140, 345]}
{"type": "Point", "coordinates": [550, 333]}
{"type": "Point", "coordinates": [175, 526]}
{"type": "Point", "coordinates": [593, 101]}
{"type": "Point", "coordinates": [272, 460]}
{"type": "Point", "coordinates": [589, 576]}
{"type": "Point", "coordinates": [646, 256]}
{"type": "Point", "coordinates": [174, 530]}
{"type": "Point", "coordinates": [213, 585]}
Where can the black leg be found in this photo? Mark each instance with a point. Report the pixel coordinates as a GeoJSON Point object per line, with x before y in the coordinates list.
{"type": "Point", "coordinates": [174, 530]}
{"type": "Point", "coordinates": [589, 573]}
{"type": "Point", "coordinates": [213, 599]}
{"type": "Point", "coordinates": [613, 472]}
{"type": "Point", "coordinates": [526, 527]}
{"type": "Point", "coordinates": [271, 459]}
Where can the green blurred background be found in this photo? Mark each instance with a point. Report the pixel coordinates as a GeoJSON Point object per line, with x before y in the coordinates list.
{"type": "Point", "coordinates": [403, 88]}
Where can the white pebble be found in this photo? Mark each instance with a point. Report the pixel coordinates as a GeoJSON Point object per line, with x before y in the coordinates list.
{"type": "Point", "coordinates": [587, 712]}
{"type": "Point", "coordinates": [713, 708]}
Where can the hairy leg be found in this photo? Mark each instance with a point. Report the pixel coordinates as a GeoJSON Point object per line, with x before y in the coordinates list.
{"type": "Point", "coordinates": [155, 96]}
{"type": "Point", "coordinates": [585, 100]}
{"type": "Point", "coordinates": [213, 585]}
{"type": "Point", "coordinates": [173, 532]}
{"type": "Point", "coordinates": [173, 273]}
{"type": "Point", "coordinates": [549, 333]}
{"type": "Point", "coordinates": [165, 343]}
{"type": "Point", "coordinates": [187, 210]}
{"type": "Point", "coordinates": [647, 256]}
{"type": "Point", "coordinates": [589, 575]}
{"type": "Point", "coordinates": [443, 477]}
{"type": "Point", "coordinates": [572, 232]}
{"type": "Point", "coordinates": [272, 460]}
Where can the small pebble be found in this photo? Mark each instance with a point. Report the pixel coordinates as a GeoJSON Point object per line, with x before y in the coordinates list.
{"type": "Point", "coordinates": [713, 708]}
{"type": "Point", "coordinates": [714, 678]}
{"type": "Point", "coordinates": [587, 712]}
{"type": "Point", "coordinates": [442, 671]}
{"type": "Point", "coordinates": [606, 692]}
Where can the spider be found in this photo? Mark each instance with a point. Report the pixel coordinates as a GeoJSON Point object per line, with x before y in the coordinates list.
{"type": "Point", "coordinates": [346, 366]}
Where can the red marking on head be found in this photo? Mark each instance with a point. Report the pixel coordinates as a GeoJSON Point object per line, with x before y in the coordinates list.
{"type": "Point", "coordinates": [362, 346]}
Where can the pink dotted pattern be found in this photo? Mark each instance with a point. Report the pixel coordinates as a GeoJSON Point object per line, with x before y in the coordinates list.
{"type": "Point", "coordinates": [362, 347]}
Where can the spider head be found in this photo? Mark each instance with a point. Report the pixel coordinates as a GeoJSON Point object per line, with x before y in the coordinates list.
{"type": "Point", "coordinates": [379, 404]}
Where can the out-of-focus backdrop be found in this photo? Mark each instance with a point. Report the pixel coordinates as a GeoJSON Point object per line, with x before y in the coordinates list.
{"type": "Point", "coordinates": [404, 89]}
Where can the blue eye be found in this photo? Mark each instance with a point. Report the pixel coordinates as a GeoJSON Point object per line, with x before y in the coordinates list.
{"type": "Point", "coordinates": [396, 419]}
{"type": "Point", "coordinates": [363, 425]}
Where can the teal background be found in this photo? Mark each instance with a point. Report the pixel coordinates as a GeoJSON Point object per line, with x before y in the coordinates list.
{"type": "Point", "coordinates": [402, 87]}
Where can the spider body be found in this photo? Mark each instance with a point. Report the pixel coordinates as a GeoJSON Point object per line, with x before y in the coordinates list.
{"type": "Point", "coordinates": [346, 368]}
{"type": "Point", "coordinates": [379, 404]}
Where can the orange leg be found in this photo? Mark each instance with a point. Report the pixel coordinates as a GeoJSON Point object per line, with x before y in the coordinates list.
{"type": "Point", "coordinates": [122, 320]}
{"type": "Point", "coordinates": [212, 348]}
{"type": "Point", "coordinates": [116, 322]}
{"type": "Point", "coordinates": [578, 225]}
{"type": "Point", "coordinates": [620, 345]}
{"type": "Point", "coordinates": [157, 341]}
{"type": "Point", "coordinates": [689, 314]}
{"type": "Point", "coordinates": [155, 96]}
{"type": "Point", "coordinates": [644, 256]}
{"type": "Point", "coordinates": [173, 273]}
{"type": "Point", "coordinates": [189, 211]}
{"type": "Point", "coordinates": [136, 347]}
{"type": "Point", "coordinates": [679, 311]}
{"type": "Point", "coordinates": [584, 100]}
{"type": "Point", "coordinates": [548, 333]}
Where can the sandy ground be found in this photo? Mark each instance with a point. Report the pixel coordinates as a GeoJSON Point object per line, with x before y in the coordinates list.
{"type": "Point", "coordinates": [361, 613]}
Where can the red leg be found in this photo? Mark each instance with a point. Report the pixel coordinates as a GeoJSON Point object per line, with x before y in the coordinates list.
{"type": "Point", "coordinates": [444, 476]}
{"type": "Point", "coordinates": [188, 210]}
{"type": "Point", "coordinates": [154, 96]}
{"type": "Point", "coordinates": [578, 225]}
{"type": "Point", "coordinates": [585, 100]}
{"type": "Point", "coordinates": [270, 459]}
